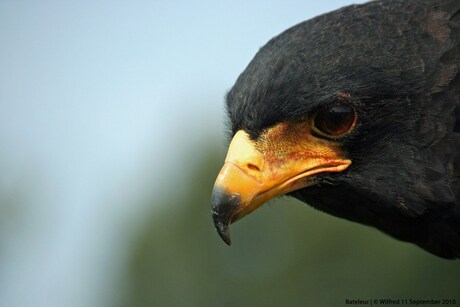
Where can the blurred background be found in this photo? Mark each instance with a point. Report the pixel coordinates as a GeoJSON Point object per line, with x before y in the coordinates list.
{"type": "Point", "coordinates": [111, 135]}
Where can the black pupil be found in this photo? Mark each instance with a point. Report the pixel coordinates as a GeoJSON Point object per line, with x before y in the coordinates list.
{"type": "Point", "coordinates": [335, 120]}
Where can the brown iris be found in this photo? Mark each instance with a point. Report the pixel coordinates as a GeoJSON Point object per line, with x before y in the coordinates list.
{"type": "Point", "coordinates": [335, 120]}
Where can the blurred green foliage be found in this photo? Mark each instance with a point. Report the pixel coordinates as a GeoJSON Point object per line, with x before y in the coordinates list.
{"type": "Point", "coordinates": [284, 254]}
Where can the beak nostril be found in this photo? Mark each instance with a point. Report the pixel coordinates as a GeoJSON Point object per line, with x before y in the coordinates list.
{"type": "Point", "coordinates": [253, 167]}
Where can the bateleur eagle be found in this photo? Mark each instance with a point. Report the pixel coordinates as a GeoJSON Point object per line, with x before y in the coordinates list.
{"type": "Point", "coordinates": [356, 113]}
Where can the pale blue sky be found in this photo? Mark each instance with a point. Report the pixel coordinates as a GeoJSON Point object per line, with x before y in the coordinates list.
{"type": "Point", "coordinates": [95, 95]}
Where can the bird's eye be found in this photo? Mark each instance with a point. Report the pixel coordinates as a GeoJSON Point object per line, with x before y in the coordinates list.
{"type": "Point", "coordinates": [335, 120]}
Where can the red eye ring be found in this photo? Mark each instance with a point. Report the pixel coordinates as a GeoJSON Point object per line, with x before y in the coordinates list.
{"type": "Point", "coordinates": [335, 120]}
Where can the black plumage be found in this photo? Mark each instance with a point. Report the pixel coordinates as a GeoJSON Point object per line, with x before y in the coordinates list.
{"type": "Point", "coordinates": [397, 63]}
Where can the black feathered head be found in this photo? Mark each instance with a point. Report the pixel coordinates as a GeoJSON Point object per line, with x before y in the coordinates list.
{"type": "Point", "coordinates": [354, 113]}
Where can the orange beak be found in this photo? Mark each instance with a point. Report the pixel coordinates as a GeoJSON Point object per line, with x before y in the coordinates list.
{"type": "Point", "coordinates": [282, 160]}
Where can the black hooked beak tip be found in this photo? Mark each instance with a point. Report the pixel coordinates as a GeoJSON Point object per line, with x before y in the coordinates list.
{"type": "Point", "coordinates": [224, 207]}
